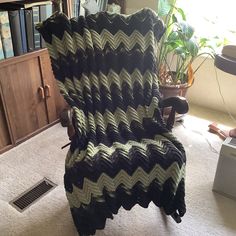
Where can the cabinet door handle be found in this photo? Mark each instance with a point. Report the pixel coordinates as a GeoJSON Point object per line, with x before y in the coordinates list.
{"type": "Point", "coordinates": [41, 93]}
{"type": "Point", "coordinates": [47, 91]}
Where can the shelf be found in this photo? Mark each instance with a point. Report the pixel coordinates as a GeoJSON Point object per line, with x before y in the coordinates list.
{"type": "Point", "coordinates": [26, 56]}
{"type": "Point", "coordinates": [5, 1]}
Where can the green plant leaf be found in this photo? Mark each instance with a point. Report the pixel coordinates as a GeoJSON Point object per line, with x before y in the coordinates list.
{"type": "Point", "coordinates": [181, 52]}
{"type": "Point", "coordinates": [173, 36]}
{"type": "Point", "coordinates": [181, 12]}
{"type": "Point", "coordinates": [192, 47]}
{"type": "Point", "coordinates": [164, 7]}
{"type": "Point", "coordinates": [203, 41]}
{"type": "Point", "coordinates": [186, 29]}
{"type": "Point", "coordinates": [171, 46]}
{"type": "Point", "coordinates": [174, 19]}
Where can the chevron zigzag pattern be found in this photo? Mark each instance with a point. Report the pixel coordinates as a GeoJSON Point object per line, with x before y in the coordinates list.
{"type": "Point", "coordinates": [122, 154]}
{"type": "Point", "coordinates": [159, 142]}
{"type": "Point", "coordinates": [91, 189]}
{"type": "Point", "coordinates": [109, 80]}
{"type": "Point", "coordinates": [100, 41]}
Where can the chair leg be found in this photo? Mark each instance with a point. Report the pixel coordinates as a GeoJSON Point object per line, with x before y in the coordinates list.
{"type": "Point", "coordinates": [176, 217]}
{"type": "Point", "coordinates": [81, 234]}
{"type": "Point", "coordinates": [65, 117]}
{"type": "Point", "coordinates": [66, 121]}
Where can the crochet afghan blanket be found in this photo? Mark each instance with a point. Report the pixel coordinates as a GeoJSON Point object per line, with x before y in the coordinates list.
{"type": "Point", "coordinates": [121, 154]}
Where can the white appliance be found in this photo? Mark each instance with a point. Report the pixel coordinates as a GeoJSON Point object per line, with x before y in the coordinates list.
{"type": "Point", "coordinates": [225, 177]}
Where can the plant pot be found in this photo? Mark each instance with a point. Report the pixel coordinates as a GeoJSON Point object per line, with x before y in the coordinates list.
{"type": "Point", "coordinates": [173, 91]}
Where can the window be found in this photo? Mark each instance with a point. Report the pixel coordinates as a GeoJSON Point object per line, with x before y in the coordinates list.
{"type": "Point", "coordinates": [212, 18]}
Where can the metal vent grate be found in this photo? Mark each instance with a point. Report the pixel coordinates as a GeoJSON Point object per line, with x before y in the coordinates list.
{"type": "Point", "coordinates": [33, 194]}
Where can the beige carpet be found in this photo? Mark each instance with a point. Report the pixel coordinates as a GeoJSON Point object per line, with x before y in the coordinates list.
{"type": "Point", "coordinates": [208, 213]}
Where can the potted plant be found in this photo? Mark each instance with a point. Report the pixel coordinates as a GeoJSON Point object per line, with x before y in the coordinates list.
{"type": "Point", "coordinates": [178, 49]}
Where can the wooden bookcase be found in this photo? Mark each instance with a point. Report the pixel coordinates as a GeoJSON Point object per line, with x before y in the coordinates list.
{"type": "Point", "coordinates": [29, 97]}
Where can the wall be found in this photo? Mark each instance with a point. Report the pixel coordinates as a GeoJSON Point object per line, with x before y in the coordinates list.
{"type": "Point", "coordinates": [205, 90]}
{"type": "Point", "coordinates": [134, 5]}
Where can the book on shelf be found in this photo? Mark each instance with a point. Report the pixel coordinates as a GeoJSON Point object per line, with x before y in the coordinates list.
{"type": "Point", "coordinates": [29, 29]}
{"type": "Point", "coordinates": [58, 6]}
{"type": "Point", "coordinates": [67, 7]}
{"type": "Point", "coordinates": [6, 34]}
{"type": "Point", "coordinates": [1, 50]}
{"type": "Point", "coordinates": [45, 12]}
{"type": "Point", "coordinates": [23, 30]}
{"type": "Point", "coordinates": [27, 4]}
{"type": "Point", "coordinates": [14, 19]}
{"type": "Point", "coordinates": [104, 5]}
{"type": "Point", "coordinates": [15, 26]}
{"type": "Point", "coordinates": [49, 10]}
{"type": "Point", "coordinates": [75, 8]}
{"type": "Point", "coordinates": [36, 20]}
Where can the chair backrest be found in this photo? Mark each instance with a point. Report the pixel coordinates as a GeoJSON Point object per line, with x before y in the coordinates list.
{"type": "Point", "coordinates": [105, 65]}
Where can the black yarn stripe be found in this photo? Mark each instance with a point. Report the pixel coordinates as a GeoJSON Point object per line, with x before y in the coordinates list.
{"type": "Point", "coordinates": [115, 61]}
{"type": "Point", "coordinates": [85, 217]}
{"type": "Point", "coordinates": [59, 23]}
{"type": "Point", "coordinates": [118, 162]}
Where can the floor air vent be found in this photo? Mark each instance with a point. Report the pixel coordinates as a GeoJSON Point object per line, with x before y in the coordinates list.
{"type": "Point", "coordinates": [33, 194]}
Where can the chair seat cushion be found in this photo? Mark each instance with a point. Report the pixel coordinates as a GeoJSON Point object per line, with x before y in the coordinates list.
{"type": "Point", "coordinates": [104, 178]}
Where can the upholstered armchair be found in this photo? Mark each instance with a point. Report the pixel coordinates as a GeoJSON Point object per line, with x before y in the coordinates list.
{"type": "Point", "coordinates": [122, 152]}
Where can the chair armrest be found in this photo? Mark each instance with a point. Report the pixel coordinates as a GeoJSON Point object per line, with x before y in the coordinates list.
{"type": "Point", "coordinates": [66, 121]}
{"type": "Point", "coordinates": [178, 104]}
